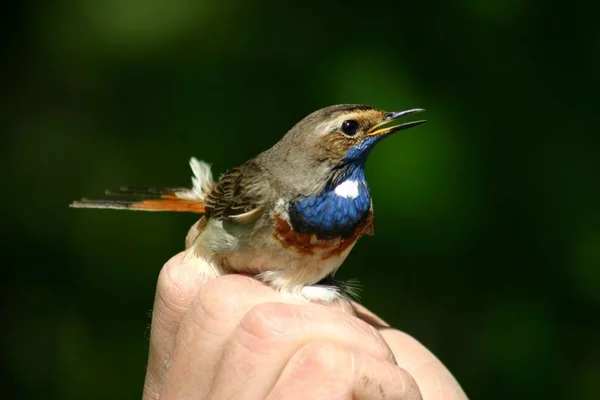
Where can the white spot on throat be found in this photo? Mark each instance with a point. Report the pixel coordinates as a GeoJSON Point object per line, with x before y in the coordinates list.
{"type": "Point", "coordinates": [347, 189]}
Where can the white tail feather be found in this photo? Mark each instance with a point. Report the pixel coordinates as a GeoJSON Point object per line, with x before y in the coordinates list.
{"type": "Point", "coordinates": [202, 181]}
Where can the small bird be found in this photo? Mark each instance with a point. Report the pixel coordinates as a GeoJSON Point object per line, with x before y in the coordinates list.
{"type": "Point", "coordinates": [288, 216]}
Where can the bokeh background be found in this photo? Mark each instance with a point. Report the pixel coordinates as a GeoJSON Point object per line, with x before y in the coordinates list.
{"type": "Point", "coordinates": [487, 245]}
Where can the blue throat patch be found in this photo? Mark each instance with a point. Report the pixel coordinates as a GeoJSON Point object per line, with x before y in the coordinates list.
{"type": "Point", "coordinates": [330, 214]}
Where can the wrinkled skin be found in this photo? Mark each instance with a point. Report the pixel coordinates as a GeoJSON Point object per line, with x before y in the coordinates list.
{"type": "Point", "coordinates": [235, 338]}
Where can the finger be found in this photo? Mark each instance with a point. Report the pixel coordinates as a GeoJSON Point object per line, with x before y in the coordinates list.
{"type": "Point", "coordinates": [329, 370]}
{"type": "Point", "coordinates": [194, 231]}
{"type": "Point", "coordinates": [176, 288]}
{"type": "Point", "coordinates": [208, 323]}
{"type": "Point", "coordinates": [368, 316]}
{"type": "Point", "coordinates": [434, 379]}
{"type": "Point", "coordinates": [270, 334]}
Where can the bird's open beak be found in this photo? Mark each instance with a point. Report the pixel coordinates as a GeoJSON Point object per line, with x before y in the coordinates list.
{"type": "Point", "coordinates": [380, 130]}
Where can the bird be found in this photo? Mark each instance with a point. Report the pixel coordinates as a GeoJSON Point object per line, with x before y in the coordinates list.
{"type": "Point", "coordinates": [289, 216]}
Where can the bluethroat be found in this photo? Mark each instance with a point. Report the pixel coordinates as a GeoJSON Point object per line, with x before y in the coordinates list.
{"type": "Point", "coordinates": [290, 215]}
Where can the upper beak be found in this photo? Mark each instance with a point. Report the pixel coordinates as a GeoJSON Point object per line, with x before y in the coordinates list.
{"type": "Point", "coordinates": [379, 130]}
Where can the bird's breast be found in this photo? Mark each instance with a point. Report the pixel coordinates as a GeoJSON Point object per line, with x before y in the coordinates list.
{"type": "Point", "coordinates": [328, 224]}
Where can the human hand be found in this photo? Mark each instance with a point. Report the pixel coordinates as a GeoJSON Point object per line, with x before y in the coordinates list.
{"type": "Point", "coordinates": [233, 337]}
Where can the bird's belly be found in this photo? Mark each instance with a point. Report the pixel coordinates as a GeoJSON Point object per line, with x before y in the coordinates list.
{"type": "Point", "coordinates": [286, 260]}
{"type": "Point", "coordinates": [286, 265]}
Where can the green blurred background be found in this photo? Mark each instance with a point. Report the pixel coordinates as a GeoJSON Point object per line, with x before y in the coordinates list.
{"type": "Point", "coordinates": [487, 245]}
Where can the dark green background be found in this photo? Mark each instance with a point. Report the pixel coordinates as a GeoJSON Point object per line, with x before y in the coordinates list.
{"type": "Point", "coordinates": [487, 245]}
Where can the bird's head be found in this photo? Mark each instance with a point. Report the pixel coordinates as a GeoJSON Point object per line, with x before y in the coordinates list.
{"type": "Point", "coordinates": [347, 133]}
{"type": "Point", "coordinates": [332, 138]}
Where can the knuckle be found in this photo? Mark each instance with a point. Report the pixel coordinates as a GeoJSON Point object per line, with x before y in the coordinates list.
{"type": "Point", "coordinates": [173, 285]}
{"type": "Point", "coordinates": [324, 358]}
{"type": "Point", "coordinates": [222, 297]}
{"type": "Point", "coordinates": [269, 320]}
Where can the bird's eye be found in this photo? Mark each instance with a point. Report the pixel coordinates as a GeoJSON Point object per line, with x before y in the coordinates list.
{"type": "Point", "coordinates": [350, 127]}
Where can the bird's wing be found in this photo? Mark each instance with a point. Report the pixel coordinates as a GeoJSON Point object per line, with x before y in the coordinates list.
{"type": "Point", "coordinates": [239, 195]}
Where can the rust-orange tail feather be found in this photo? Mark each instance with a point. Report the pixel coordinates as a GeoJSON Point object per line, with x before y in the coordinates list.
{"type": "Point", "coordinates": [147, 199]}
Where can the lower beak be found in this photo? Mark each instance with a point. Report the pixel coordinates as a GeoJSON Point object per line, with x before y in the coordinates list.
{"type": "Point", "coordinates": [380, 130]}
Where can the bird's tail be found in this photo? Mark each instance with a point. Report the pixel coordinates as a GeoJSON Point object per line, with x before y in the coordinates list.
{"type": "Point", "coordinates": [159, 199]}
